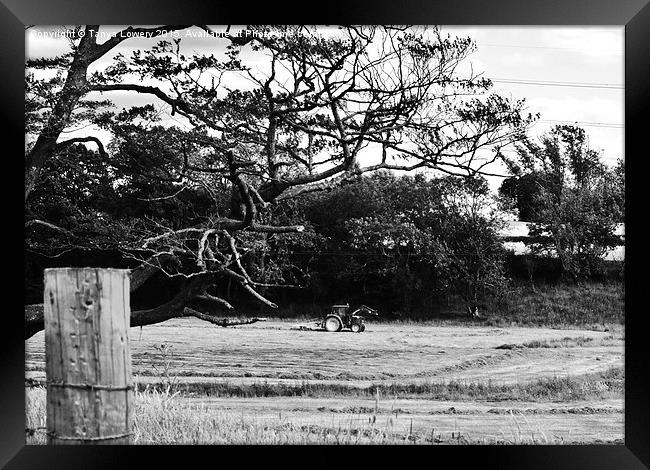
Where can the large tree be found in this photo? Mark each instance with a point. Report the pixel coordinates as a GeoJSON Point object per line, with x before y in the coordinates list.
{"type": "Point", "coordinates": [279, 113]}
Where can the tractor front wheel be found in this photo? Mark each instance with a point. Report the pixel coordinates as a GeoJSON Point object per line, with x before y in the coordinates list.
{"type": "Point", "coordinates": [332, 324]}
{"type": "Point", "coordinates": [356, 328]}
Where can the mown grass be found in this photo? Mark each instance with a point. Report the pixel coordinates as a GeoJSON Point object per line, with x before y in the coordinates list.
{"type": "Point", "coordinates": [566, 342]}
{"type": "Point", "coordinates": [606, 384]}
{"type": "Point", "coordinates": [163, 417]}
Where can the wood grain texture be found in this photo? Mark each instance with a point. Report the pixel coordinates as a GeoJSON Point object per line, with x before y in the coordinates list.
{"type": "Point", "coordinates": [88, 360]}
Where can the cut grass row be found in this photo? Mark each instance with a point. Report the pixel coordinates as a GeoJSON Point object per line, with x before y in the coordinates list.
{"type": "Point", "coordinates": [606, 384]}
{"type": "Point", "coordinates": [566, 342]}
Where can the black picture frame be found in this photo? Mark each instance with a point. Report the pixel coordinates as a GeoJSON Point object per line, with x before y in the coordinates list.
{"type": "Point", "coordinates": [633, 14]}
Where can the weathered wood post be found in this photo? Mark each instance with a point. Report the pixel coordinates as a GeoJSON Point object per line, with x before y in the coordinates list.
{"type": "Point", "coordinates": [88, 359]}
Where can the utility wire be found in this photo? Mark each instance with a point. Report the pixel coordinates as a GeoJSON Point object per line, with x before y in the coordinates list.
{"type": "Point", "coordinates": [584, 123]}
{"type": "Point", "coordinates": [534, 47]}
{"type": "Point", "coordinates": [606, 86]}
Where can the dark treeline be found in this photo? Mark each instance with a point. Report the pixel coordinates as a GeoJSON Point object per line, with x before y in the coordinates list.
{"type": "Point", "coordinates": [410, 246]}
{"type": "Point", "coordinates": [521, 269]}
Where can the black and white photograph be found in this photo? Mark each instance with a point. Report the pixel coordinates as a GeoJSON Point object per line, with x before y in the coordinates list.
{"type": "Point", "coordinates": [321, 234]}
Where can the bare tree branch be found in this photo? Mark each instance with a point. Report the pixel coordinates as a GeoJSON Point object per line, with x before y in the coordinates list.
{"type": "Point", "coordinates": [100, 145]}
{"type": "Point", "coordinates": [29, 223]}
{"type": "Point", "coordinates": [224, 322]}
{"type": "Point", "coordinates": [215, 299]}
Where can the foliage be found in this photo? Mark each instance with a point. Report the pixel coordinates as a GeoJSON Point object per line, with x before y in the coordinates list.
{"type": "Point", "coordinates": [581, 225]}
{"type": "Point", "coordinates": [523, 191]}
{"type": "Point", "coordinates": [574, 200]}
{"type": "Point", "coordinates": [76, 192]}
{"type": "Point", "coordinates": [412, 236]}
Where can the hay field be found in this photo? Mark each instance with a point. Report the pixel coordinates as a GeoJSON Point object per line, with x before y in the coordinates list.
{"type": "Point", "coordinates": [395, 383]}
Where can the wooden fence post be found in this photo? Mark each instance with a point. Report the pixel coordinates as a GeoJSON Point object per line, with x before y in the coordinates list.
{"type": "Point", "coordinates": [87, 354]}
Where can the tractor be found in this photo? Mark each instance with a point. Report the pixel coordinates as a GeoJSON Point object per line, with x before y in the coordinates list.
{"type": "Point", "coordinates": [340, 316]}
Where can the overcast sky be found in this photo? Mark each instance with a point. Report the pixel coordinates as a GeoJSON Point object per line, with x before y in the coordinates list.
{"type": "Point", "coordinates": [568, 74]}
{"type": "Point", "coordinates": [576, 56]}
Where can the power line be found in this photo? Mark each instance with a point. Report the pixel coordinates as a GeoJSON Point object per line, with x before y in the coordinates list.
{"type": "Point", "coordinates": [520, 46]}
{"type": "Point", "coordinates": [606, 86]}
{"type": "Point", "coordinates": [535, 47]}
{"type": "Point", "coordinates": [585, 123]}
{"type": "Point", "coordinates": [530, 47]}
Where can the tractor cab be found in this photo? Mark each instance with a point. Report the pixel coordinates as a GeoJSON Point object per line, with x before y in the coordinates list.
{"type": "Point", "coordinates": [340, 316]}
{"type": "Point", "coordinates": [341, 310]}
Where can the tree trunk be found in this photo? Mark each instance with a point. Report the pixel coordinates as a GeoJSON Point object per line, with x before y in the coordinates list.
{"type": "Point", "coordinates": [73, 89]}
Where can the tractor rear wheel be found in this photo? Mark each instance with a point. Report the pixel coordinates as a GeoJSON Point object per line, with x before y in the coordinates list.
{"type": "Point", "coordinates": [356, 328]}
{"type": "Point", "coordinates": [332, 324]}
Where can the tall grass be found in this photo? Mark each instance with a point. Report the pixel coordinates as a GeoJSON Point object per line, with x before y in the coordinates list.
{"type": "Point", "coordinates": [587, 304]}
{"type": "Point", "coordinates": [35, 414]}
{"type": "Point", "coordinates": [162, 417]}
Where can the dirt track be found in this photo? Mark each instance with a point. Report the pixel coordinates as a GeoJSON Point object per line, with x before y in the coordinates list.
{"type": "Point", "coordinates": [274, 353]}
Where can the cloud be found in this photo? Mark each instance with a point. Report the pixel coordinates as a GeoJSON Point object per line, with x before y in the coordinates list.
{"type": "Point", "coordinates": [597, 43]}
{"type": "Point", "coordinates": [521, 59]}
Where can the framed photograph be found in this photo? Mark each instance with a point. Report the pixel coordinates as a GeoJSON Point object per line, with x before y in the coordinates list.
{"type": "Point", "coordinates": [389, 227]}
